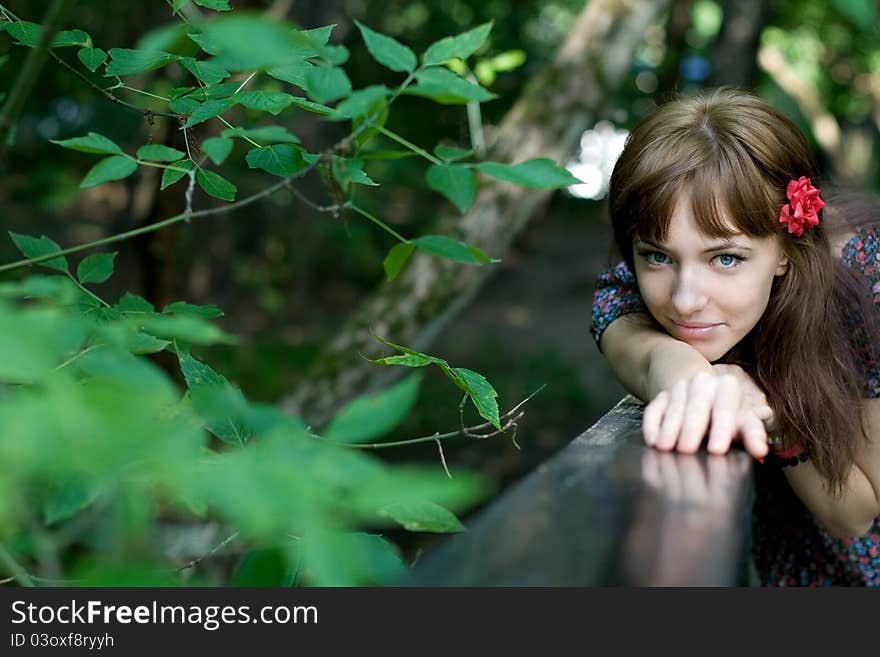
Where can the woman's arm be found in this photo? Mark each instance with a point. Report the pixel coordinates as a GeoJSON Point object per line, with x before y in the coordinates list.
{"type": "Point", "coordinates": [687, 396]}
{"type": "Point", "coordinates": [852, 513]}
{"type": "Point", "coordinates": [645, 359]}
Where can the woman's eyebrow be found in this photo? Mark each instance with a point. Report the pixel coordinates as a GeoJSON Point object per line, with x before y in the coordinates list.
{"type": "Point", "coordinates": [726, 246]}
{"type": "Point", "coordinates": [721, 246]}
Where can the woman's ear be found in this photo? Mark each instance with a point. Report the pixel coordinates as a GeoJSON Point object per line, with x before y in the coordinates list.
{"type": "Point", "coordinates": [782, 265]}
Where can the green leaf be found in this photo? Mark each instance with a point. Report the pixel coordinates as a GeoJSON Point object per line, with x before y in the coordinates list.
{"type": "Point", "coordinates": [360, 102]}
{"type": "Point", "coordinates": [67, 499]}
{"type": "Point", "coordinates": [116, 167]}
{"type": "Point", "coordinates": [474, 384]}
{"type": "Point", "coordinates": [283, 159]}
{"type": "Point", "coordinates": [319, 36]}
{"type": "Point", "coordinates": [309, 106]}
{"type": "Point", "coordinates": [159, 153]}
{"type": "Point", "coordinates": [33, 247]}
{"type": "Point", "coordinates": [191, 310]}
{"type": "Point", "coordinates": [260, 568]}
{"type": "Point", "coordinates": [215, 185]}
{"type": "Point", "coordinates": [862, 13]}
{"type": "Point", "coordinates": [423, 517]}
{"type": "Point", "coordinates": [270, 133]}
{"type": "Point", "coordinates": [91, 143]}
{"type": "Point", "coordinates": [540, 173]}
{"type": "Point", "coordinates": [171, 176]}
{"type": "Point", "coordinates": [334, 55]}
{"type": "Point", "coordinates": [168, 37]}
{"type": "Point", "coordinates": [92, 58]}
{"type": "Point", "coordinates": [25, 32]}
{"type": "Point", "coordinates": [129, 302]}
{"type": "Point", "coordinates": [447, 88]}
{"type": "Point", "coordinates": [216, 91]}
{"type": "Point", "coordinates": [140, 343]}
{"type": "Point", "coordinates": [216, 400]}
{"type": "Point", "coordinates": [446, 247]}
{"type": "Point", "coordinates": [188, 328]}
{"type": "Point", "coordinates": [216, 5]}
{"type": "Point", "coordinates": [217, 148]}
{"type": "Point", "coordinates": [482, 394]}
{"type": "Point", "coordinates": [406, 360]}
{"type": "Point", "coordinates": [397, 257]}
{"type": "Point", "coordinates": [457, 183]}
{"type": "Point", "coordinates": [451, 153]}
{"type": "Point", "coordinates": [208, 110]}
{"type": "Point", "coordinates": [348, 171]}
{"type": "Point", "coordinates": [71, 38]}
{"type": "Point", "coordinates": [294, 72]}
{"type": "Point", "coordinates": [388, 51]}
{"type": "Point", "coordinates": [96, 268]}
{"type": "Point", "coordinates": [206, 71]}
{"type": "Point", "coordinates": [204, 42]}
{"type": "Point", "coordinates": [130, 62]}
{"type": "Point", "coordinates": [327, 84]}
{"type": "Point", "coordinates": [369, 417]}
{"type": "Point", "coordinates": [351, 559]}
{"type": "Point", "coordinates": [184, 104]}
{"type": "Point", "coordinates": [249, 42]}
{"type": "Point", "coordinates": [30, 34]}
{"type": "Point", "coordinates": [461, 46]}
{"type": "Point", "coordinates": [267, 101]}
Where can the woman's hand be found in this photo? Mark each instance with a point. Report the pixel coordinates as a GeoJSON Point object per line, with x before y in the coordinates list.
{"type": "Point", "coordinates": [724, 401]}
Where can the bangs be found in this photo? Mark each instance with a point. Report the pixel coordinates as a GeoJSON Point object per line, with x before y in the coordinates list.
{"type": "Point", "coordinates": [722, 201]}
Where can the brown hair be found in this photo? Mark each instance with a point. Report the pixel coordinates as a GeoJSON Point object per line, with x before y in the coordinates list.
{"type": "Point", "coordinates": [733, 155]}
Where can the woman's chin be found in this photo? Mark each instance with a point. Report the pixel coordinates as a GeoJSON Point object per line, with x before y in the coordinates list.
{"type": "Point", "coordinates": [709, 351]}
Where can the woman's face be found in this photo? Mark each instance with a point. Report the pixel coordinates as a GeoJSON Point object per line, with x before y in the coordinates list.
{"type": "Point", "coordinates": [705, 291]}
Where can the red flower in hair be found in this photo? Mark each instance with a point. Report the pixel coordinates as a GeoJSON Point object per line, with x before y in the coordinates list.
{"type": "Point", "coordinates": [802, 210]}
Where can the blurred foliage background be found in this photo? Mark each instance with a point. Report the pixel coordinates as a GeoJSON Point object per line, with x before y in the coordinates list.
{"type": "Point", "coordinates": [287, 276]}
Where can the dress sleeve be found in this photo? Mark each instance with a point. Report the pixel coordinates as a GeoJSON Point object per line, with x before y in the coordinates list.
{"type": "Point", "coordinates": [616, 294]}
{"type": "Point", "coordinates": [862, 253]}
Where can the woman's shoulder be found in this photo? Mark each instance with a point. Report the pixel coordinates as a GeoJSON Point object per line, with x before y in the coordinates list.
{"type": "Point", "coordinates": [861, 250]}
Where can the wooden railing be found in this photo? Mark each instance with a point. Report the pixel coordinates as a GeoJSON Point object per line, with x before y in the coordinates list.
{"type": "Point", "coordinates": [608, 511]}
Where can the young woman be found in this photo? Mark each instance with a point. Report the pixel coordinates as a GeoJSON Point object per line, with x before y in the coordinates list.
{"type": "Point", "coordinates": [744, 310]}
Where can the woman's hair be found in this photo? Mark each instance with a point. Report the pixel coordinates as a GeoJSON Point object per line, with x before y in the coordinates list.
{"type": "Point", "coordinates": [731, 155]}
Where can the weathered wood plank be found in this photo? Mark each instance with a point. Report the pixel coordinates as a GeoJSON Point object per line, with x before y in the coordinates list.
{"type": "Point", "coordinates": [608, 511]}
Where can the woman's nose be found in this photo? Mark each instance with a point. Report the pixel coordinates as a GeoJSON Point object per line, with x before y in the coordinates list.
{"type": "Point", "coordinates": [688, 297]}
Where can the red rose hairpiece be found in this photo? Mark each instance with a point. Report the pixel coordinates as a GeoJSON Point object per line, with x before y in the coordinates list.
{"type": "Point", "coordinates": [802, 210]}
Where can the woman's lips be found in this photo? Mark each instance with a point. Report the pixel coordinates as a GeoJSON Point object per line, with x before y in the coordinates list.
{"type": "Point", "coordinates": [694, 330]}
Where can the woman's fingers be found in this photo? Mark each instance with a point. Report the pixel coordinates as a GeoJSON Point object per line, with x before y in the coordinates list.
{"type": "Point", "coordinates": [724, 414]}
{"type": "Point", "coordinates": [697, 413]}
{"type": "Point", "coordinates": [728, 404]}
{"type": "Point", "coordinates": [653, 417]}
{"type": "Point", "coordinates": [754, 435]}
{"type": "Point", "coordinates": [672, 419]}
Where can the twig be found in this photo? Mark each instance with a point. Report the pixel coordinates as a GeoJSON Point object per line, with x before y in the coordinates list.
{"type": "Point", "coordinates": [442, 457]}
{"type": "Point", "coordinates": [196, 562]}
{"type": "Point", "coordinates": [112, 239]}
{"type": "Point", "coordinates": [109, 96]}
{"type": "Point", "coordinates": [318, 208]}
{"type": "Point", "coordinates": [18, 572]}
{"type": "Point", "coordinates": [510, 419]}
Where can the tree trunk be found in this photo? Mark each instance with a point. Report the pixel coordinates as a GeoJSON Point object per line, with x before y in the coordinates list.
{"type": "Point", "coordinates": [676, 46]}
{"type": "Point", "coordinates": [547, 121]}
{"type": "Point", "coordinates": [734, 56]}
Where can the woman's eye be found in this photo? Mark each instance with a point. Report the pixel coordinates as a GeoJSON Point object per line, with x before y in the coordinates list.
{"type": "Point", "coordinates": [728, 260]}
{"type": "Point", "coordinates": [656, 258]}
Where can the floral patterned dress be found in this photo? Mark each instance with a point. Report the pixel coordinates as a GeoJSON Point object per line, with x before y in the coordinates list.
{"type": "Point", "coordinates": [789, 547]}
